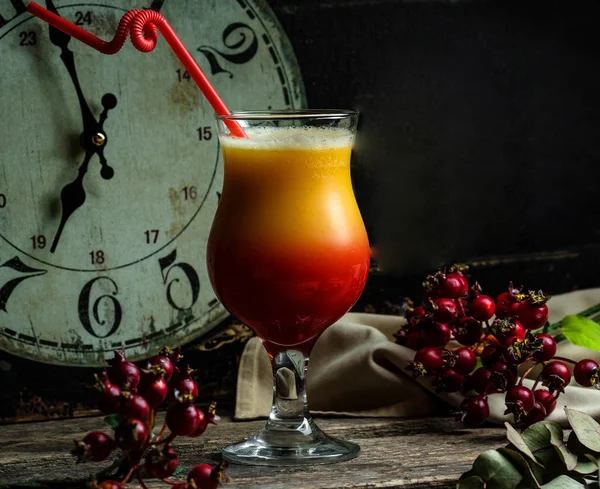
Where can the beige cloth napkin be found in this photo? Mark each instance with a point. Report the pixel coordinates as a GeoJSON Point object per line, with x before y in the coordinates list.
{"type": "Point", "coordinates": [356, 369]}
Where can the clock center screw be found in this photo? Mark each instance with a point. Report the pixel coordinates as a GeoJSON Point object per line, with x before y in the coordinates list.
{"type": "Point", "coordinates": [98, 139]}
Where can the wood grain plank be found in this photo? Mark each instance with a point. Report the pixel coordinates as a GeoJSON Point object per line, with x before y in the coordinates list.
{"type": "Point", "coordinates": [396, 453]}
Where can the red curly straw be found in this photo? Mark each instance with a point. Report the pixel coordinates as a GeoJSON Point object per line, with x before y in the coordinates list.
{"type": "Point", "coordinates": [142, 25]}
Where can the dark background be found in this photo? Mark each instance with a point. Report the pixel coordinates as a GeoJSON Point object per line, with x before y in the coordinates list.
{"type": "Point", "coordinates": [478, 139]}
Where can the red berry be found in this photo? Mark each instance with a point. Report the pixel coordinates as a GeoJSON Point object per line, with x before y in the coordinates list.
{"type": "Point", "coordinates": [162, 463]}
{"type": "Point", "coordinates": [491, 354]}
{"type": "Point", "coordinates": [536, 414]}
{"type": "Point", "coordinates": [464, 360]}
{"type": "Point", "coordinates": [556, 376]}
{"type": "Point", "coordinates": [162, 365]}
{"type": "Point", "coordinates": [110, 485]}
{"type": "Point", "coordinates": [427, 361]}
{"type": "Point", "coordinates": [445, 311]}
{"type": "Point", "coordinates": [205, 476]}
{"type": "Point", "coordinates": [474, 411]}
{"type": "Point", "coordinates": [183, 387]}
{"type": "Point", "coordinates": [468, 331]}
{"type": "Point", "coordinates": [506, 303]}
{"type": "Point", "coordinates": [516, 350]}
{"type": "Point", "coordinates": [413, 341]}
{"type": "Point", "coordinates": [153, 389]}
{"type": "Point", "coordinates": [135, 406]}
{"type": "Point", "coordinates": [546, 399]}
{"type": "Point", "coordinates": [449, 381]}
{"type": "Point", "coordinates": [109, 395]}
{"type": "Point", "coordinates": [453, 285]}
{"type": "Point", "coordinates": [414, 312]}
{"type": "Point", "coordinates": [548, 348]}
{"type": "Point", "coordinates": [508, 372]}
{"type": "Point", "coordinates": [123, 373]}
{"type": "Point", "coordinates": [506, 328]}
{"type": "Point", "coordinates": [519, 401]}
{"type": "Point", "coordinates": [532, 316]}
{"type": "Point", "coordinates": [131, 434]}
{"type": "Point", "coordinates": [435, 334]}
{"type": "Point", "coordinates": [180, 485]}
{"type": "Point", "coordinates": [482, 307]}
{"type": "Point", "coordinates": [480, 380]}
{"type": "Point", "coordinates": [183, 419]}
{"type": "Point", "coordinates": [202, 424]}
{"type": "Point", "coordinates": [587, 373]}
{"type": "Point", "coordinates": [95, 446]}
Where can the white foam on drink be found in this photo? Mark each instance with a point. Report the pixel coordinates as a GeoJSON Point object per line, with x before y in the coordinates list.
{"type": "Point", "coordinates": [301, 138]}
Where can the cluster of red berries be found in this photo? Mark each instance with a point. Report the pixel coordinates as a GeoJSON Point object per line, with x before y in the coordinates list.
{"type": "Point", "coordinates": [131, 396]}
{"type": "Point", "coordinates": [452, 309]}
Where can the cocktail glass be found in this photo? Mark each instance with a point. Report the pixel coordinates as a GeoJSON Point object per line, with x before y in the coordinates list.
{"type": "Point", "coordinates": [288, 255]}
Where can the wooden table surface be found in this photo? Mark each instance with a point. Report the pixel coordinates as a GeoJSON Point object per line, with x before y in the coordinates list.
{"type": "Point", "coordinates": [396, 453]}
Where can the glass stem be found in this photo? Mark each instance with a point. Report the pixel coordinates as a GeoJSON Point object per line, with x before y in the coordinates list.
{"type": "Point", "coordinates": [289, 411]}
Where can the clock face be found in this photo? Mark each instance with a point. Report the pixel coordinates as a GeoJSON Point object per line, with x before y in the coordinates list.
{"type": "Point", "coordinates": [110, 173]}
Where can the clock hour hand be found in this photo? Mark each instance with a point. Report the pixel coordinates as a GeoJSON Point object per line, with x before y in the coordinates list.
{"type": "Point", "coordinates": [72, 197]}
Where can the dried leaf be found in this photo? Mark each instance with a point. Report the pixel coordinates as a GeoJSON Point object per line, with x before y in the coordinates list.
{"type": "Point", "coordinates": [557, 439]}
{"type": "Point", "coordinates": [563, 482]}
{"type": "Point", "coordinates": [523, 467]}
{"type": "Point", "coordinates": [586, 429]}
{"type": "Point", "coordinates": [517, 440]}
{"type": "Point", "coordinates": [496, 471]}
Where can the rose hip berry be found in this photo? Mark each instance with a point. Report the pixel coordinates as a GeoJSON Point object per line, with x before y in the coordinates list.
{"type": "Point", "coordinates": [468, 332]}
{"type": "Point", "coordinates": [445, 309]}
{"type": "Point", "coordinates": [537, 413]}
{"type": "Point", "coordinates": [110, 485]}
{"type": "Point", "coordinates": [95, 446]}
{"type": "Point", "coordinates": [481, 307]}
{"type": "Point", "coordinates": [587, 373]}
{"type": "Point", "coordinates": [519, 401]}
{"type": "Point", "coordinates": [435, 334]}
{"type": "Point", "coordinates": [548, 349]}
{"type": "Point", "coordinates": [162, 365]}
{"type": "Point", "coordinates": [183, 387]}
{"type": "Point", "coordinates": [154, 389]}
{"type": "Point", "coordinates": [204, 476]}
{"type": "Point", "coordinates": [131, 434]}
{"type": "Point", "coordinates": [491, 354]}
{"type": "Point", "coordinates": [507, 328]}
{"type": "Point", "coordinates": [449, 381]}
{"type": "Point", "coordinates": [162, 463]}
{"type": "Point", "coordinates": [183, 419]}
{"type": "Point", "coordinates": [548, 400]}
{"type": "Point", "coordinates": [474, 411]}
{"type": "Point", "coordinates": [556, 376]}
{"type": "Point", "coordinates": [427, 361]}
{"type": "Point", "coordinates": [202, 424]}
{"type": "Point", "coordinates": [464, 360]}
{"type": "Point", "coordinates": [109, 395]}
{"type": "Point", "coordinates": [507, 304]}
{"type": "Point", "coordinates": [135, 406]}
{"type": "Point", "coordinates": [453, 285]}
{"type": "Point", "coordinates": [533, 312]}
{"type": "Point", "coordinates": [123, 373]}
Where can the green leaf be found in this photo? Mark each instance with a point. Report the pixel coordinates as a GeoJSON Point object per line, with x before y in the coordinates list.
{"type": "Point", "coordinates": [582, 332]}
{"type": "Point", "coordinates": [586, 465]}
{"type": "Point", "coordinates": [557, 439]}
{"type": "Point", "coordinates": [586, 429]}
{"type": "Point", "coordinates": [552, 462]}
{"type": "Point", "coordinates": [563, 482]}
{"type": "Point", "coordinates": [537, 437]}
{"type": "Point", "coordinates": [523, 467]}
{"type": "Point", "coordinates": [178, 470]}
{"type": "Point", "coordinates": [112, 420]}
{"type": "Point", "coordinates": [472, 482]}
{"type": "Point", "coordinates": [517, 440]}
{"type": "Point", "coordinates": [496, 471]}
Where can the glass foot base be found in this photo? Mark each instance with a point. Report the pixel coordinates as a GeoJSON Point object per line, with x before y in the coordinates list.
{"type": "Point", "coordinates": [267, 448]}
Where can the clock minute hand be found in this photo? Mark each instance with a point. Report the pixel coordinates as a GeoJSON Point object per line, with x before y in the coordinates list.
{"type": "Point", "coordinates": [61, 40]}
{"type": "Point", "coordinates": [72, 197]}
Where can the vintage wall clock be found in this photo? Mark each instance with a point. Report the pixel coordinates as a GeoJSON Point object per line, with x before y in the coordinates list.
{"type": "Point", "coordinates": [110, 173]}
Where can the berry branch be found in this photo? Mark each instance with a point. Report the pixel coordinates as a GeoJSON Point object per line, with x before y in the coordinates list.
{"type": "Point", "coordinates": [502, 334]}
{"type": "Point", "coordinates": [130, 397]}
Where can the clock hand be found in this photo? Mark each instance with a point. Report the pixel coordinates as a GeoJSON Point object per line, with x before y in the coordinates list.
{"type": "Point", "coordinates": [72, 197]}
{"type": "Point", "coordinates": [61, 40]}
{"type": "Point", "coordinates": [109, 101]}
